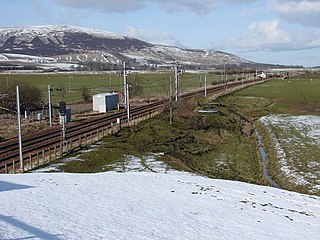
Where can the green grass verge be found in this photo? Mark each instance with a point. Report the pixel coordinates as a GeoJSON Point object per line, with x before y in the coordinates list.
{"type": "Point", "coordinates": [216, 145]}
{"type": "Point", "coordinates": [292, 96]}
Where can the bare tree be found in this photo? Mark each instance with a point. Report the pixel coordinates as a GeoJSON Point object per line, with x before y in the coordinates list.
{"type": "Point", "coordinates": [135, 84]}
{"type": "Point", "coordinates": [85, 93]}
{"type": "Point", "coordinates": [30, 95]}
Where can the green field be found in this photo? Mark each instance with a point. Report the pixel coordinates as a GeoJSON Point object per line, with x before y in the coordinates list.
{"type": "Point", "coordinates": [215, 145]}
{"type": "Point", "coordinates": [295, 95]}
{"type": "Point", "coordinates": [68, 87]}
{"type": "Point", "coordinates": [291, 130]}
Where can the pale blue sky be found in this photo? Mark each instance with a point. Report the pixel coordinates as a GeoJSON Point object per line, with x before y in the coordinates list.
{"type": "Point", "coordinates": [270, 31]}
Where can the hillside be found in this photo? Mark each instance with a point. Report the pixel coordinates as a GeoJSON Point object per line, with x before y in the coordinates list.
{"type": "Point", "coordinates": [83, 45]}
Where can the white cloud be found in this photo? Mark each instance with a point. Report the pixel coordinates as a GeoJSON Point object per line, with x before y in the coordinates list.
{"type": "Point", "coordinates": [315, 42]}
{"type": "Point", "coordinates": [40, 9]}
{"type": "Point", "coordinates": [152, 36]}
{"type": "Point", "coordinates": [271, 36]}
{"type": "Point", "coordinates": [305, 12]}
{"type": "Point", "coordinates": [120, 6]}
{"type": "Point", "coordinates": [267, 35]}
{"type": "Point", "coordinates": [198, 6]}
{"type": "Point", "coordinates": [204, 6]}
{"type": "Point", "coordinates": [123, 6]}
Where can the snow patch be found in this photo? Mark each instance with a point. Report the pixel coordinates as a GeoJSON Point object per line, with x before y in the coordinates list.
{"type": "Point", "coordinates": [293, 136]}
{"type": "Point", "coordinates": [146, 205]}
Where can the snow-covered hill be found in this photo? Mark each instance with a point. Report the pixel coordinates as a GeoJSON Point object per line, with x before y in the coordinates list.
{"type": "Point", "coordinates": [147, 205]}
{"type": "Point", "coordinates": [67, 43]}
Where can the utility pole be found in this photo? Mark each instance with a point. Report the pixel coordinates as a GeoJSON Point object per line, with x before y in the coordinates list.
{"type": "Point", "coordinates": [128, 102]}
{"type": "Point", "coordinates": [225, 77]}
{"type": "Point", "coordinates": [176, 80]}
{"type": "Point", "coordinates": [49, 105]}
{"type": "Point", "coordinates": [19, 130]}
{"type": "Point", "coordinates": [205, 85]}
{"type": "Point", "coordinates": [242, 75]}
{"type": "Point", "coordinates": [124, 85]}
{"type": "Point", "coordinates": [170, 100]}
{"type": "Point", "coordinates": [63, 129]}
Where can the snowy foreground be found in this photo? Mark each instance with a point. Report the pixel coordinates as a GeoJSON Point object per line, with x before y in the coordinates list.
{"type": "Point", "coordinates": [146, 205]}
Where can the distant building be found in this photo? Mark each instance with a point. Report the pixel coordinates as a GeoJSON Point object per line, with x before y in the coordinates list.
{"type": "Point", "coordinates": [262, 75]}
{"type": "Point", "coordinates": [104, 102]}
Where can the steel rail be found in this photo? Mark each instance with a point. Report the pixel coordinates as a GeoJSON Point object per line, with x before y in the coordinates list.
{"type": "Point", "coordinates": [46, 139]}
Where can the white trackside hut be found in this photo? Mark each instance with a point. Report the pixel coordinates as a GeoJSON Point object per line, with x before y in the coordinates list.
{"type": "Point", "coordinates": [104, 102]}
{"type": "Point", "coordinates": [262, 75]}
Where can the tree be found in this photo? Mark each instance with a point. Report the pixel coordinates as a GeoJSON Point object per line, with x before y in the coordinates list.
{"type": "Point", "coordinates": [30, 95]}
{"type": "Point", "coordinates": [85, 93]}
{"type": "Point", "coordinates": [136, 87]}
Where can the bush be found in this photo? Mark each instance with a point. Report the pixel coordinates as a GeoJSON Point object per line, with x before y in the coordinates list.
{"type": "Point", "coordinates": [30, 96]}
{"type": "Point", "coordinates": [85, 93]}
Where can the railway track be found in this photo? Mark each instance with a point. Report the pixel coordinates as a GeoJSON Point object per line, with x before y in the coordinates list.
{"type": "Point", "coordinates": [51, 138]}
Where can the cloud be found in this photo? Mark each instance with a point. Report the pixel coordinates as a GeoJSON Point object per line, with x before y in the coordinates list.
{"type": "Point", "coordinates": [197, 6]}
{"type": "Point", "coordinates": [267, 35]}
{"type": "Point", "coordinates": [271, 36]}
{"type": "Point", "coordinates": [152, 36]}
{"type": "Point", "coordinates": [40, 9]}
{"type": "Point", "coordinates": [124, 6]}
{"type": "Point", "coordinates": [118, 6]}
{"type": "Point", "coordinates": [304, 12]}
{"type": "Point", "coordinates": [314, 42]}
{"type": "Point", "coordinates": [202, 7]}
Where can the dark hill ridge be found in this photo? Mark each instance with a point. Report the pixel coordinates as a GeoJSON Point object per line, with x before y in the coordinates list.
{"type": "Point", "coordinates": [68, 43]}
{"type": "Point", "coordinates": [50, 41]}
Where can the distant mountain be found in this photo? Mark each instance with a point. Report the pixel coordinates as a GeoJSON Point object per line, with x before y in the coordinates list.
{"type": "Point", "coordinates": [83, 45]}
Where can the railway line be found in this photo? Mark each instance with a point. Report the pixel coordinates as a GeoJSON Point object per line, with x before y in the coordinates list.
{"type": "Point", "coordinates": [47, 140]}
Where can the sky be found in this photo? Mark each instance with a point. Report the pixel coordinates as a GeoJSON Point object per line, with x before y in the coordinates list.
{"type": "Point", "coordinates": [269, 31]}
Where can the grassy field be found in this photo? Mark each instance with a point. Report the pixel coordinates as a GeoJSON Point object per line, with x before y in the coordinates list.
{"type": "Point", "coordinates": [221, 145]}
{"type": "Point", "coordinates": [68, 87]}
{"type": "Point", "coordinates": [296, 95]}
{"type": "Point", "coordinates": [293, 144]}
{"type": "Point", "coordinates": [292, 140]}
{"type": "Point", "coordinates": [216, 145]}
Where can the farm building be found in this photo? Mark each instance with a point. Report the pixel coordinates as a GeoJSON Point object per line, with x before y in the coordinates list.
{"type": "Point", "coordinates": [103, 102]}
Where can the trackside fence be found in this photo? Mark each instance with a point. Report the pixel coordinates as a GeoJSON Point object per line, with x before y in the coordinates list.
{"type": "Point", "coordinates": [33, 160]}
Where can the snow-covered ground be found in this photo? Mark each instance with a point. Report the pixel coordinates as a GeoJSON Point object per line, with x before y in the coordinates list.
{"type": "Point", "coordinates": [26, 58]}
{"type": "Point", "coordinates": [297, 143]}
{"type": "Point", "coordinates": [150, 203]}
{"type": "Point", "coordinates": [41, 62]}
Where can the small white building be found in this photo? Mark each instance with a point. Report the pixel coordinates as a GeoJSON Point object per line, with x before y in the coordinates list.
{"type": "Point", "coordinates": [262, 75]}
{"type": "Point", "coordinates": [104, 102]}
